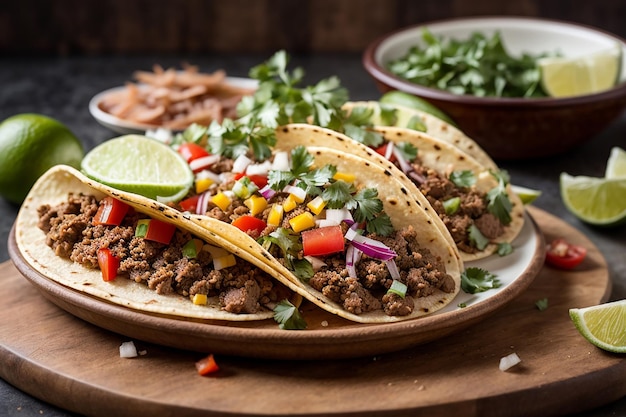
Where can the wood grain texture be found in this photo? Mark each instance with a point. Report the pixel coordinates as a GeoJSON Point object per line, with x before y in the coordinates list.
{"type": "Point", "coordinates": [70, 363]}
{"type": "Point", "coordinates": [65, 27]}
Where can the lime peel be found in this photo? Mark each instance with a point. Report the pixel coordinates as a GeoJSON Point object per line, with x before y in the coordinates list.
{"type": "Point", "coordinates": [527, 195]}
{"type": "Point", "coordinates": [603, 325]}
{"type": "Point", "coordinates": [597, 201]}
{"type": "Point", "coordinates": [616, 164]}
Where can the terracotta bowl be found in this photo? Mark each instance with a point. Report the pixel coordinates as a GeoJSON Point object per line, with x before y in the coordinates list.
{"type": "Point", "coordinates": [512, 128]}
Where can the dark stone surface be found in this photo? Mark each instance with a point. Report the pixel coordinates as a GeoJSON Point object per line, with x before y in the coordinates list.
{"type": "Point", "coordinates": [61, 88]}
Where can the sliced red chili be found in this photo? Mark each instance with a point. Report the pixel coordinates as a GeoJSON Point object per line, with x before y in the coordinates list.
{"type": "Point", "coordinates": [111, 212]}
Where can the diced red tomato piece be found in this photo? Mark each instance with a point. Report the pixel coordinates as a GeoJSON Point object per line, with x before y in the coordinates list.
{"type": "Point", "coordinates": [159, 231]}
{"type": "Point", "coordinates": [108, 264]}
{"type": "Point", "coordinates": [207, 365]}
{"type": "Point", "coordinates": [249, 223]}
{"type": "Point", "coordinates": [258, 180]}
{"type": "Point", "coordinates": [191, 151]}
{"type": "Point", "coordinates": [382, 150]}
{"type": "Point", "coordinates": [111, 212]}
{"type": "Point", "coordinates": [564, 255]}
{"type": "Point", "coordinates": [190, 204]}
{"type": "Point", "coordinates": [323, 241]}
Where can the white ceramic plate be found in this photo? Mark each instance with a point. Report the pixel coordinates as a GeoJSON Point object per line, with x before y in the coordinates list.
{"type": "Point", "coordinates": [123, 127]}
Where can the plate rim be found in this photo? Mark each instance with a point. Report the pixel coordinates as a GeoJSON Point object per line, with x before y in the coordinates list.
{"type": "Point", "coordinates": [274, 343]}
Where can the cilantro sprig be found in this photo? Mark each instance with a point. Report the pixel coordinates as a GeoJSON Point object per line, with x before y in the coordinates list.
{"type": "Point", "coordinates": [498, 202]}
{"type": "Point", "coordinates": [288, 316]}
{"type": "Point", "coordinates": [475, 280]}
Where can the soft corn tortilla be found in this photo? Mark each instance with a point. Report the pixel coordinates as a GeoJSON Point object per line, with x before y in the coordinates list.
{"type": "Point", "coordinates": [53, 188]}
{"type": "Point", "coordinates": [398, 204]}
{"type": "Point", "coordinates": [437, 154]}
{"type": "Point", "coordinates": [435, 127]}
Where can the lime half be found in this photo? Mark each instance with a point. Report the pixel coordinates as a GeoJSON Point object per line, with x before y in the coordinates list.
{"type": "Point", "coordinates": [598, 201]}
{"type": "Point", "coordinates": [527, 195]}
{"type": "Point", "coordinates": [616, 165]}
{"type": "Point", "coordinates": [139, 165]}
{"type": "Point", "coordinates": [566, 77]}
{"type": "Point", "coordinates": [603, 325]}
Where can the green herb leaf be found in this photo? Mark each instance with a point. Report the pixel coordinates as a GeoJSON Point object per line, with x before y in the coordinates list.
{"type": "Point", "coordinates": [475, 280]}
{"type": "Point", "coordinates": [477, 239]}
{"type": "Point", "coordinates": [542, 304]}
{"type": "Point", "coordinates": [504, 248]}
{"type": "Point", "coordinates": [288, 316]}
{"type": "Point", "coordinates": [452, 205]}
{"type": "Point", "coordinates": [498, 200]}
{"type": "Point", "coordinates": [464, 178]}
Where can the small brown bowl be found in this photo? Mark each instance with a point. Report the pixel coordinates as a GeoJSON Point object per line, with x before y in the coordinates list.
{"type": "Point", "coordinates": [511, 128]}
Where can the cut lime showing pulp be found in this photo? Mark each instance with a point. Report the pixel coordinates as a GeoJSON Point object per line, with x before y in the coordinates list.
{"type": "Point", "coordinates": [616, 165]}
{"type": "Point", "coordinates": [566, 77]}
{"type": "Point", "coordinates": [603, 325]}
{"type": "Point", "coordinates": [401, 98]}
{"type": "Point", "coordinates": [594, 200]}
{"type": "Point", "coordinates": [139, 165]}
{"type": "Point", "coordinates": [527, 195]}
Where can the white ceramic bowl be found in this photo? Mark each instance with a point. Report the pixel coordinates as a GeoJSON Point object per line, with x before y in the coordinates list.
{"type": "Point", "coordinates": [511, 128]}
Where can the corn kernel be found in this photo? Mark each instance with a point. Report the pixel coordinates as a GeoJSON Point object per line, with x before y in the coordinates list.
{"type": "Point", "coordinates": [256, 204]}
{"type": "Point", "coordinates": [275, 217]}
{"type": "Point", "coordinates": [347, 177]}
{"type": "Point", "coordinates": [302, 222]}
{"type": "Point", "coordinates": [203, 184]}
{"type": "Point", "coordinates": [200, 299]}
{"type": "Point", "coordinates": [290, 203]}
{"type": "Point", "coordinates": [221, 200]}
{"type": "Point", "coordinates": [316, 205]}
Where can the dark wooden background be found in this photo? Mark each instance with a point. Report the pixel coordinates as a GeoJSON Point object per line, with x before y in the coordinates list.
{"type": "Point", "coordinates": [86, 27]}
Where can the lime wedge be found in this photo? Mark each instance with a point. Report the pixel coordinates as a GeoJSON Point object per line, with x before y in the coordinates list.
{"type": "Point", "coordinates": [603, 325]}
{"type": "Point", "coordinates": [527, 195]}
{"type": "Point", "coordinates": [139, 165]}
{"type": "Point", "coordinates": [616, 165]}
{"type": "Point", "coordinates": [566, 77]}
{"type": "Point", "coordinates": [598, 201]}
{"type": "Point", "coordinates": [409, 100]}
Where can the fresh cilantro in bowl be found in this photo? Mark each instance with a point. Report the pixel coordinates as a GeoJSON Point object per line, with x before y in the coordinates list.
{"type": "Point", "coordinates": [479, 66]}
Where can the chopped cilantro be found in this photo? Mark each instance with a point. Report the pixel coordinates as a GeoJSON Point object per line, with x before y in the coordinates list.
{"type": "Point", "coordinates": [498, 200]}
{"type": "Point", "coordinates": [477, 239]}
{"type": "Point", "coordinates": [416, 123]}
{"type": "Point", "coordinates": [504, 248]}
{"type": "Point", "coordinates": [337, 194]}
{"type": "Point", "coordinates": [474, 280]}
{"type": "Point", "coordinates": [542, 304]}
{"type": "Point", "coordinates": [407, 150]}
{"type": "Point", "coordinates": [388, 115]}
{"type": "Point", "coordinates": [465, 178]}
{"type": "Point", "coordinates": [288, 316]}
{"type": "Point", "coordinates": [290, 246]}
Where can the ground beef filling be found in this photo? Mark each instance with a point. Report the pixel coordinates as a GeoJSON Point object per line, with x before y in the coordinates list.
{"type": "Point", "coordinates": [71, 233]}
{"type": "Point", "coordinates": [420, 270]}
{"type": "Point", "coordinates": [472, 210]}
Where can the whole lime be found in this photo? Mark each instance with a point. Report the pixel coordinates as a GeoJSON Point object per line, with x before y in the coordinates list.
{"type": "Point", "coordinates": [30, 144]}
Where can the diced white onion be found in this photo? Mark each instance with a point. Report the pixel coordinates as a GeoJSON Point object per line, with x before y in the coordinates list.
{"type": "Point", "coordinates": [325, 223]}
{"type": "Point", "coordinates": [203, 162]}
{"type": "Point", "coordinates": [389, 150]}
{"type": "Point", "coordinates": [316, 263]}
{"type": "Point", "coordinates": [161, 134]}
{"type": "Point", "coordinates": [296, 191]}
{"type": "Point", "coordinates": [241, 163]}
{"type": "Point", "coordinates": [215, 251]}
{"type": "Point", "coordinates": [509, 361]}
{"type": "Point", "coordinates": [259, 169]}
{"type": "Point", "coordinates": [281, 161]}
{"type": "Point", "coordinates": [338, 215]}
{"type": "Point", "coordinates": [205, 173]}
{"type": "Point", "coordinates": [128, 350]}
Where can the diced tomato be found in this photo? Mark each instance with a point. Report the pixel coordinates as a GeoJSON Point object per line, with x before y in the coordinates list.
{"type": "Point", "coordinates": [111, 212]}
{"type": "Point", "coordinates": [207, 365]}
{"type": "Point", "coordinates": [258, 180]}
{"type": "Point", "coordinates": [190, 204]}
{"type": "Point", "coordinates": [382, 150]}
{"type": "Point", "coordinates": [191, 151]}
{"type": "Point", "coordinates": [159, 231]}
{"type": "Point", "coordinates": [564, 255]}
{"type": "Point", "coordinates": [323, 241]}
{"type": "Point", "coordinates": [108, 264]}
{"type": "Point", "coordinates": [249, 223]}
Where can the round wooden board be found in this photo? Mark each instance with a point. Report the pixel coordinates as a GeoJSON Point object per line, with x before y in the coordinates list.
{"type": "Point", "coordinates": [75, 365]}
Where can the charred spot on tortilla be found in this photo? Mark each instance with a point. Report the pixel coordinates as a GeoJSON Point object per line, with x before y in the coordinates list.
{"type": "Point", "coordinates": [437, 147]}
{"type": "Point", "coordinates": [387, 173]}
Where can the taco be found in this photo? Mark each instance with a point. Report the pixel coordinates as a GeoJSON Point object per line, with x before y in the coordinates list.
{"type": "Point", "coordinates": [131, 251]}
{"type": "Point", "coordinates": [396, 115]}
{"type": "Point", "coordinates": [342, 228]}
{"type": "Point", "coordinates": [488, 212]}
